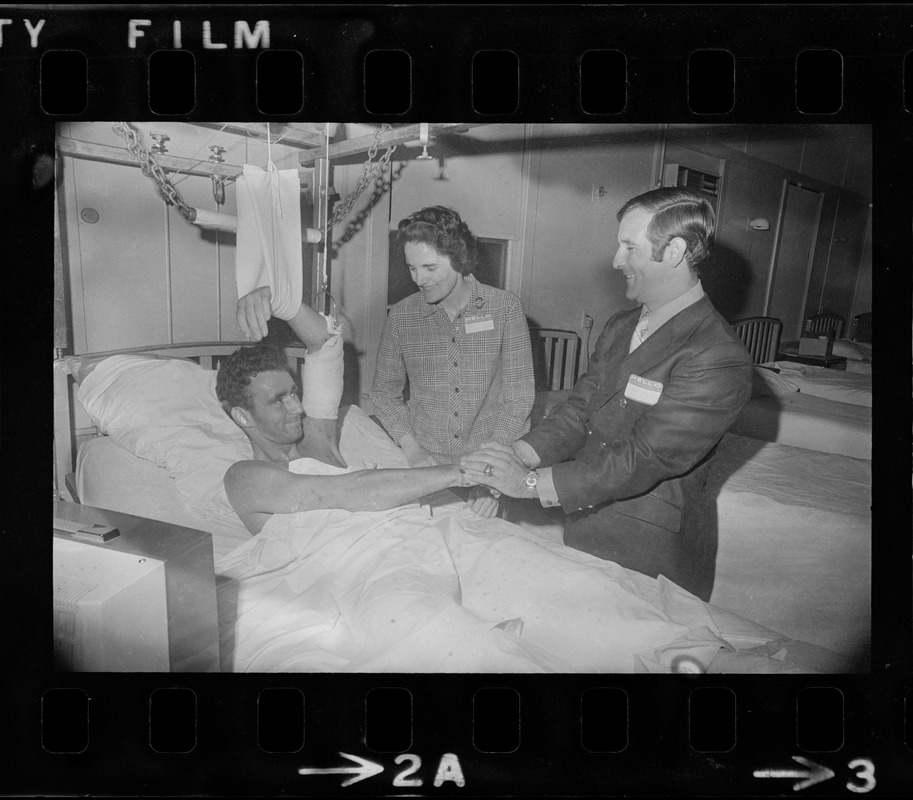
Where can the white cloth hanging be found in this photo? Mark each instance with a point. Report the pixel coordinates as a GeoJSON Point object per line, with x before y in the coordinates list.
{"type": "Point", "coordinates": [269, 236]}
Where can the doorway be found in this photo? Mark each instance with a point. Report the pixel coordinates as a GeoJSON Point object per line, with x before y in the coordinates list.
{"type": "Point", "coordinates": [789, 281]}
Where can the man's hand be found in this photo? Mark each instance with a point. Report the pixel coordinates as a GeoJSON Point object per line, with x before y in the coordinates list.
{"type": "Point", "coordinates": [253, 312]}
{"type": "Point", "coordinates": [495, 465]}
{"type": "Point", "coordinates": [510, 449]}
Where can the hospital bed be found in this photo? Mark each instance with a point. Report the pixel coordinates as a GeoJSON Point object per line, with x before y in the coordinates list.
{"type": "Point", "coordinates": [812, 407]}
{"type": "Point", "coordinates": [308, 598]}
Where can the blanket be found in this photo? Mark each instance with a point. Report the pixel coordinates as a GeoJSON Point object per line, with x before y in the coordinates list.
{"type": "Point", "coordinates": [404, 591]}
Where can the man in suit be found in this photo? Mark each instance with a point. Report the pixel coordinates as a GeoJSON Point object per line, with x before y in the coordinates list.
{"type": "Point", "coordinates": [626, 456]}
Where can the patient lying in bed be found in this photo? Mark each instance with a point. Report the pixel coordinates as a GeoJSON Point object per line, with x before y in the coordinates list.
{"type": "Point", "coordinates": [354, 575]}
{"type": "Point", "coordinates": [396, 589]}
{"type": "Point", "coordinates": [347, 573]}
{"type": "Point", "coordinates": [400, 591]}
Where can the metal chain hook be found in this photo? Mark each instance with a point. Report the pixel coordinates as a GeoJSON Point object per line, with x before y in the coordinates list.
{"type": "Point", "coordinates": [370, 172]}
{"type": "Point", "coordinates": [151, 168]}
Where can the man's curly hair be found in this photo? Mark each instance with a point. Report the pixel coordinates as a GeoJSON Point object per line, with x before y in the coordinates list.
{"type": "Point", "coordinates": [236, 371]}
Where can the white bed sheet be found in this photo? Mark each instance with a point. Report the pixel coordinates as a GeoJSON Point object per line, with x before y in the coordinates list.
{"type": "Point", "coordinates": [137, 486]}
{"type": "Point", "coordinates": [805, 420]}
{"type": "Point", "coordinates": [399, 591]}
{"type": "Point", "coordinates": [832, 384]}
{"type": "Point", "coordinates": [795, 541]}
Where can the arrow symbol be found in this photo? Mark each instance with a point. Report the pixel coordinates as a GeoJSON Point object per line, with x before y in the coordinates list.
{"type": "Point", "coordinates": [363, 769]}
{"type": "Point", "coordinates": [815, 773]}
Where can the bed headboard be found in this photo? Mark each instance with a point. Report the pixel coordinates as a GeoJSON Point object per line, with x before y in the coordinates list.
{"type": "Point", "coordinates": [67, 436]}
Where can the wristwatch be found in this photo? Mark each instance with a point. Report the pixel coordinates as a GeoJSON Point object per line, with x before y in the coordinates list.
{"type": "Point", "coordinates": [531, 479]}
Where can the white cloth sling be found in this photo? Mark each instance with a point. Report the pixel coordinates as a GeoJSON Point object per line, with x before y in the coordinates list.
{"type": "Point", "coordinates": [269, 254]}
{"type": "Point", "coordinates": [269, 236]}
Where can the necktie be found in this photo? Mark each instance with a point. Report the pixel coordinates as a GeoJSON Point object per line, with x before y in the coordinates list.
{"type": "Point", "coordinates": [640, 332]}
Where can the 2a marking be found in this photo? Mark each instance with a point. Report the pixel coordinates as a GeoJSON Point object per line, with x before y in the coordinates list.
{"type": "Point", "coordinates": [448, 770]}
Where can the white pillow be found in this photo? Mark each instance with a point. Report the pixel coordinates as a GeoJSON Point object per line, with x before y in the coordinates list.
{"type": "Point", "coordinates": [166, 411]}
{"type": "Point", "coordinates": [365, 445]}
{"type": "Point", "coordinates": [854, 351]}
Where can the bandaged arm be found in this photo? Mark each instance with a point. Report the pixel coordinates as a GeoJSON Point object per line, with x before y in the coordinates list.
{"type": "Point", "coordinates": [322, 381]}
{"type": "Point", "coordinates": [323, 368]}
{"type": "Point", "coordinates": [323, 364]}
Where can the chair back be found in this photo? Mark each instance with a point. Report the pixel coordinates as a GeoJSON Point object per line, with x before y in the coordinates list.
{"type": "Point", "coordinates": [862, 327]}
{"type": "Point", "coordinates": [822, 323]}
{"type": "Point", "coordinates": [761, 337]}
{"type": "Point", "coordinates": [555, 358]}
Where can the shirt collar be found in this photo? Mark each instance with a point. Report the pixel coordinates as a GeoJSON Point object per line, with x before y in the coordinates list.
{"type": "Point", "coordinates": [664, 313]}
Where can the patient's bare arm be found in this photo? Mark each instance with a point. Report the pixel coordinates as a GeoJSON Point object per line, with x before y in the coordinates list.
{"type": "Point", "coordinates": [254, 311]}
{"type": "Point", "coordinates": [259, 489]}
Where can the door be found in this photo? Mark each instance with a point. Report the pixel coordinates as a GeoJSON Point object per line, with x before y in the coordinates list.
{"type": "Point", "coordinates": [789, 282]}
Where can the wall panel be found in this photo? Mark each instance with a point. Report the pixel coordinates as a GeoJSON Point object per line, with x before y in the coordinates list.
{"type": "Point", "coordinates": [846, 257]}
{"type": "Point", "coordinates": [737, 275]}
{"type": "Point", "coordinates": [121, 258]}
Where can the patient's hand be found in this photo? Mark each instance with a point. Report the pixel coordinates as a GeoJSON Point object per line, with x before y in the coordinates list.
{"type": "Point", "coordinates": [253, 312]}
{"type": "Point", "coordinates": [482, 502]}
{"type": "Point", "coordinates": [491, 466]}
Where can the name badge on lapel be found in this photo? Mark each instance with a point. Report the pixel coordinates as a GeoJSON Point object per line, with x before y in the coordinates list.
{"type": "Point", "coordinates": [475, 324]}
{"type": "Point", "coordinates": [641, 390]}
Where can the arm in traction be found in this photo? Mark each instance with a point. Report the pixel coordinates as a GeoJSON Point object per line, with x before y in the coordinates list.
{"type": "Point", "coordinates": [254, 311]}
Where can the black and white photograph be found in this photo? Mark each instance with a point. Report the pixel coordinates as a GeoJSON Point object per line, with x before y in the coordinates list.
{"type": "Point", "coordinates": [354, 397]}
{"type": "Point", "coordinates": [457, 399]}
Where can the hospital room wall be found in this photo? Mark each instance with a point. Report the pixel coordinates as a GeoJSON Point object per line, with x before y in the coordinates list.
{"type": "Point", "coordinates": [139, 273]}
{"type": "Point", "coordinates": [759, 163]}
{"type": "Point", "coordinates": [534, 185]}
{"type": "Point", "coordinates": [508, 187]}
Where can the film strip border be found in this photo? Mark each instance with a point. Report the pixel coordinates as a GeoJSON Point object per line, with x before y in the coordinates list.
{"type": "Point", "coordinates": [706, 63]}
{"type": "Point", "coordinates": [506, 734]}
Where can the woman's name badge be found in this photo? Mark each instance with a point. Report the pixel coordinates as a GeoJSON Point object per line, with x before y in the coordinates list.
{"type": "Point", "coordinates": [641, 390]}
{"type": "Point", "coordinates": [474, 324]}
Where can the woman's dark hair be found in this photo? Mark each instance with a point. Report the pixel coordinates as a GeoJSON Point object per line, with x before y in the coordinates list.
{"type": "Point", "coordinates": [236, 371]}
{"type": "Point", "coordinates": [442, 229]}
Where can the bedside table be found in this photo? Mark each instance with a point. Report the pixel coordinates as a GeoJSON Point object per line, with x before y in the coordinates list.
{"type": "Point", "coordinates": [832, 362]}
{"type": "Point", "coordinates": [142, 601]}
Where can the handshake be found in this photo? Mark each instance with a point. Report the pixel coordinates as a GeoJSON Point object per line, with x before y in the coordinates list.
{"type": "Point", "coordinates": [499, 467]}
{"type": "Point", "coordinates": [491, 470]}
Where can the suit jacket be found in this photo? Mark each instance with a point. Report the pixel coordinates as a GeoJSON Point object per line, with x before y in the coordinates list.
{"type": "Point", "coordinates": [633, 487]}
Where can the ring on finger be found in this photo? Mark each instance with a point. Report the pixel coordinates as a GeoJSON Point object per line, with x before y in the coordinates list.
{"type": "Point", "coordinates": [488, 471]}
